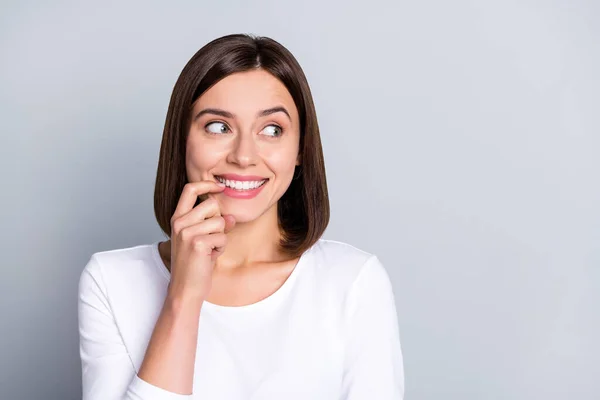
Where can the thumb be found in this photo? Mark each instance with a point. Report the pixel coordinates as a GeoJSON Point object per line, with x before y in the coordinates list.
{"type": "Point", "coordinates": [229, 222]}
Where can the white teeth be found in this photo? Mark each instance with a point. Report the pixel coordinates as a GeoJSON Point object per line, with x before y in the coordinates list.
{"type": "Point", "coordinates": [241, 185]}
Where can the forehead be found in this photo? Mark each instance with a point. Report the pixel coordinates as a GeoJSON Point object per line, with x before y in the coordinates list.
{"type": "Point", "coordinates": [247, 91]}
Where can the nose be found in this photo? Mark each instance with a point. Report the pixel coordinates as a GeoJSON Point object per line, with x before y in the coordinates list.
{"type": "Point", "coordinates": [244, 151]}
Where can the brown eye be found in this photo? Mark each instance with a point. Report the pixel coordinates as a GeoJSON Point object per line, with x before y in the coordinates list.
{"type": "Point", "coordinates": [273, 130]}
{"type": "Point", "coordinates": [217, 128]}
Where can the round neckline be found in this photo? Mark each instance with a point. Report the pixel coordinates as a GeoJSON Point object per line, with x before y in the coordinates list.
{"type": "Point", "coordinates": [268, 301]}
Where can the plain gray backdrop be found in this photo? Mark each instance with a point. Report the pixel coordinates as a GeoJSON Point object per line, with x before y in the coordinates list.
{"type": "Point", "coordinates": [462, 147]}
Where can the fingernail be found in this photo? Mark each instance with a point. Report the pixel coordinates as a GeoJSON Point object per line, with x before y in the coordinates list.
{"type": "Point", "coordinates": [220, 184]}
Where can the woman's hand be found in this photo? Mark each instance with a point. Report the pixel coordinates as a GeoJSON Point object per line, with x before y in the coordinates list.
{"type": "Point", "coordinates": [197, 240]}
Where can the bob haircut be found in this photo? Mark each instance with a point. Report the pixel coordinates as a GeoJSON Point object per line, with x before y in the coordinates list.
{"type": "Point", "coordinates": [303, 210]}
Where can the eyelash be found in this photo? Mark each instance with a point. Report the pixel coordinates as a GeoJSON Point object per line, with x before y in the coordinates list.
{"type": "Point", "coordinates": [229, 129]}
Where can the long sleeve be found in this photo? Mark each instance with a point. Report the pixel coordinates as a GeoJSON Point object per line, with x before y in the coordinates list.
{"type": "Point", "coordinates": [107, 369]}
{"type": "Point", "coordinates": [373, 367]}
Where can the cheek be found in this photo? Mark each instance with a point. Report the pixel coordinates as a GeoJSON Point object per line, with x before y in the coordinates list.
{"type": "Point", "coordinates": [282, 164]}
{"type": "Point", "coordinates": [281, 158]}
{"type": "Point", "coordinates": [200, 158]}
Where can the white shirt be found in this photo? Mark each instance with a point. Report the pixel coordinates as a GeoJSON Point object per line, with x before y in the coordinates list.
{"type": "Point", "coordinates": [329, 332]}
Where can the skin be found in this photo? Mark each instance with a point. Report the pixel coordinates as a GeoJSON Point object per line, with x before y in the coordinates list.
{"type": "Point", "coordinates": [225, 250]}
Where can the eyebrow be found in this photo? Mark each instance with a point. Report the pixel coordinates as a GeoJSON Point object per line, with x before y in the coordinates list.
{"type": "Point", "coordinates": [227, 114]}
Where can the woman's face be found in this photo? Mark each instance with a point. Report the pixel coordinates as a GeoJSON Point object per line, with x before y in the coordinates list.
{"type": "Point", "coordinates": [245, 131]}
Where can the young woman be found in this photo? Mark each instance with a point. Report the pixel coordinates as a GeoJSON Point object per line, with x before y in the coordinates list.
{"type": "Point", "coordinates": [245, 300]}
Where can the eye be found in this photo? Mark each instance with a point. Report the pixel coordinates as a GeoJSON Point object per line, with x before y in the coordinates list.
{"type": "Point", "coordinates": [273, 130]}
{"type": "Point", "coordinates": [217, 128]}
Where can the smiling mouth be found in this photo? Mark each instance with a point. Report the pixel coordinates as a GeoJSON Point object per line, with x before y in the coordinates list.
{"type": "Point", "coordinates": [241, 185]}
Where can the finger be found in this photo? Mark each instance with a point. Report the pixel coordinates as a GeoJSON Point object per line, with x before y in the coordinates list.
{"type": "Point", "coordinates": [212, 225]}
{"type": "Point", "coordinates": [212, 242]}
{"type": "Point", "coordinates": [229, 222]}
{"type": "Point", "coordinates": [205, 210]}
{"type": "Point", "coordinates": [219, 248]}
{"type": "Point", "coordinates": [190, 193]}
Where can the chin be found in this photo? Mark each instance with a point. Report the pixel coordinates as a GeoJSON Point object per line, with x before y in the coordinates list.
{"type": "Point", "coordinates": [241, 213]}
{"type": "Point", "coordinates": [242, 217]}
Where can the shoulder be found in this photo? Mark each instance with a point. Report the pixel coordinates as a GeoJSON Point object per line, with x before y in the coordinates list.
{"type": "Point", "coordinates": [344, 263]}
{"type": "Point", "coordinates": [333, 251]}
{"type": "Point", "coordinates": [359, 276]}
{"type": "Point", "coordinates": [119, 267]}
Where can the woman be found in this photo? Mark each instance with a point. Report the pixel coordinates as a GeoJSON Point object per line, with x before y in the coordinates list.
{"type": "Point", "coordinates": [246, 300]}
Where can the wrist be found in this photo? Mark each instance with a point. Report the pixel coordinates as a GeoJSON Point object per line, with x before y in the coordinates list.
{"type": "Point", "coordinates": [179, 302]}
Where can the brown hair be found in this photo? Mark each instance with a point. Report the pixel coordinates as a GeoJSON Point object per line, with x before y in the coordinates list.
{"type": "Point", "coordinates": [303, 210]}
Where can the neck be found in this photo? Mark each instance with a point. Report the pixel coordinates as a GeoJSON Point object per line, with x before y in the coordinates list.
{"type": "Point", "coordinates": [252, 242]}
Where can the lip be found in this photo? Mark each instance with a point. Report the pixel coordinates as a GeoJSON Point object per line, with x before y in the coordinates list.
{"type": "Point", "coordinates": [241, 178]}
{"type": "Point", "coordinates": [246, 194]}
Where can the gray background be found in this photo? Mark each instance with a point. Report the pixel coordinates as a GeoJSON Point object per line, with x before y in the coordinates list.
{"type": "Point", "coordinates": [461, 142]}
